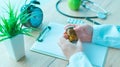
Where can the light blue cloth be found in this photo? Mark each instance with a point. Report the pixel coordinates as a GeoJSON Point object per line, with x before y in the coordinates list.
{"type": "Point", "coordinates": [106, 35]}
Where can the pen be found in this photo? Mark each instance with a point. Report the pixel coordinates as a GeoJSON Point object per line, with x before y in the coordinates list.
{"type": "Point", "coordinates": [43, 33]}
{"type": "Point", "coordinates": [89, 19]}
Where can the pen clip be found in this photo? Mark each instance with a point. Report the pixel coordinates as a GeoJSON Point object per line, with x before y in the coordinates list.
{"type": "Point", "coordinates": [43, 33]}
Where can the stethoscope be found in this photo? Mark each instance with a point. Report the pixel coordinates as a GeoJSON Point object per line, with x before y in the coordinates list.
{"type": "Point", "coordinates": [101, 13]}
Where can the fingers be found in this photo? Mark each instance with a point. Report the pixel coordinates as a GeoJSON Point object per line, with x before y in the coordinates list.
{"type": "Point", "coordinates": [80, 27]}
{"type": "Point", "coordinates": [62, 42]}
{"type": "Point", "coordinates": [73, 25]}
{"type": "Point", "coordinates": [65, 35]}
{"type": "Point", "coordinates": [77, 28]}
{"type": "Point", "coordinates": [59, 43]}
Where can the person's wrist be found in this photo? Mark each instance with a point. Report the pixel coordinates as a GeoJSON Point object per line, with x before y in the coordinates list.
{"type": "Point", "coordinates": [90, 30]}
{"type": "Point", "coordinates": [75, 55]}
{"type": "Point", "coordinates": [78, 49]}
{"type": "Point", "coordinates": [72, 54]}
{"type": "Point", "coordinates": [90, 39]}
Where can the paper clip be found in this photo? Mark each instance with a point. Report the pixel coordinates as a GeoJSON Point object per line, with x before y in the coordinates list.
{"type": "Point", "coordinates": [43, 33]}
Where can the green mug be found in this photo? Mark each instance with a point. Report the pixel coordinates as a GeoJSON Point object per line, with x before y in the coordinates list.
{"type": "Point", "coordinates": [74, 4]}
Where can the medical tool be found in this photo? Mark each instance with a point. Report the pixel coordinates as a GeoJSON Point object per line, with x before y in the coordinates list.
{"type": "Point", "coordinates": [101, 13]}
{"type": "Point", "coordinates": [87, 4]}
{"type": "Point", "coordinates": [92, 21]}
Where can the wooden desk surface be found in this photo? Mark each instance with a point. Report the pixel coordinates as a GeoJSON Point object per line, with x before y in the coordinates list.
{"type": "Point", "coordinates": [33, 59]}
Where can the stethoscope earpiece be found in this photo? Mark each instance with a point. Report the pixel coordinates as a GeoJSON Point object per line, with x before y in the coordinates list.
{"type": "Point", "coordinates": [89, 5]}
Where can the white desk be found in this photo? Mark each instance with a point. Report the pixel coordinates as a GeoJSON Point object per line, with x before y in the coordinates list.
{"type": "Point", "coordinates": [33, 59]}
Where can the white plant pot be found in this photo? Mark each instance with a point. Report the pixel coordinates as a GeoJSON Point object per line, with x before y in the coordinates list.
{"type": "Point", "coordinates": [15, 47]}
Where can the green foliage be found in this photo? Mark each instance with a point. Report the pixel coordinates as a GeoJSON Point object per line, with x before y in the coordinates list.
{"type": "Point", "coordinates": [13, 24]}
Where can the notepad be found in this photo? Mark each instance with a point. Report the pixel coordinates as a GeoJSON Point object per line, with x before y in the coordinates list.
{"type": "Point", "coordinates": [49, 46]}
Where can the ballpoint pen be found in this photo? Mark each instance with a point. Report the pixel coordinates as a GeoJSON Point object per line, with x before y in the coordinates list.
{"type": "Point", "coordinates": [92, 21]}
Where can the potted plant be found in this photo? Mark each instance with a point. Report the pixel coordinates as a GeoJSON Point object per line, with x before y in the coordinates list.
{"type": "Point", "coordinates": [12, 30]}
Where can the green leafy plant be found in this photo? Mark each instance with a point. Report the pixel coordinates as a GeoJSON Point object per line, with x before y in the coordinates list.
{"type": "Point", "coordinates": [13, 24]}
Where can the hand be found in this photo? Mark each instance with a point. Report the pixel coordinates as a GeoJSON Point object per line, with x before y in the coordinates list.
{"type": "Point", "coordinates": [84, 32]}
{"type": "Point", "coordinates": [69, 48]}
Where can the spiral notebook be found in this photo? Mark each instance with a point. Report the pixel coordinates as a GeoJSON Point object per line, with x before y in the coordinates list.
{"type": "Point", "coordinates": [49, 46]}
